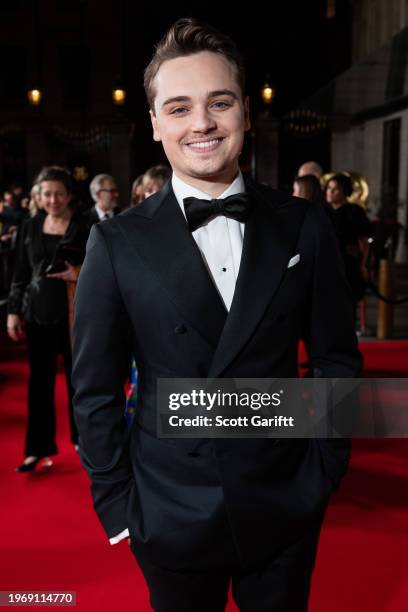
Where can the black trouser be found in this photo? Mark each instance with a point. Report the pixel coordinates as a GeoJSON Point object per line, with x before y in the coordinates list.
{"type": "Point", "coordinates": [282, 584]}
{"type": "Point", "coordinates": [45, 342]}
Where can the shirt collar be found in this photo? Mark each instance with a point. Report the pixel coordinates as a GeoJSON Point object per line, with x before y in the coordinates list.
{"type": "Point", "coordinates": [101, 213]}
{"type": "Point", "coordinates": [183, 190]}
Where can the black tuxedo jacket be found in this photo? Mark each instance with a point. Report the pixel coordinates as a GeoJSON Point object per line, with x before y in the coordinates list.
{"type": "Point", "coordinates": [144, 289]}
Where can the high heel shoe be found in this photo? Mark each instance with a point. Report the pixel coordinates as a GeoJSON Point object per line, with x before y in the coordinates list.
{"type": "Point", "coordinates": [29, 466]}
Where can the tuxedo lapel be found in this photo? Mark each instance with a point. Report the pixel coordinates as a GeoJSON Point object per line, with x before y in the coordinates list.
{"type": "Point", "coordinates": [164, 242]}
{"type": "Point", "coordinates": [270, 237]}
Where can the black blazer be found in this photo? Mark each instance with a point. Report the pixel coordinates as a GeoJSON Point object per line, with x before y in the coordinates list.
{"type": "Point", "coordinates": [30, 289]}
{"type": "Point", "coordinates": [144, 280]}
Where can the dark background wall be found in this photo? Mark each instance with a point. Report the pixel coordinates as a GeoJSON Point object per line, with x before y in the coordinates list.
{"type": "Point", "coordinates": [77, 49]}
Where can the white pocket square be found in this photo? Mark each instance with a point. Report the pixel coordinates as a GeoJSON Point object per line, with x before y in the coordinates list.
{"type": "Point", "coordinates": [293, 261]}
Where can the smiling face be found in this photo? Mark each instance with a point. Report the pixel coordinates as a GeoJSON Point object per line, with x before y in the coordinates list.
{"type": "Point", "coordinates": [200, 118]}
{"type": "Point", "coordinates": [54, 198]}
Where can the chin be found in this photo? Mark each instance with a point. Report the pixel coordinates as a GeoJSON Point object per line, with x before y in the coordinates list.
{"type": "Point", "coordinates": [210, 170]}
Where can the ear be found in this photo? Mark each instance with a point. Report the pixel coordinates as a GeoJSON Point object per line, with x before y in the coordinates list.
{"type": "Point", "coordinates": [156, 131]}
{"type": "Point", "coordinates": [246, 114]}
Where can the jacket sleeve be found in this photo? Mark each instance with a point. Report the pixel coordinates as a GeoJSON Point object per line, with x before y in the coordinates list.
{"type": "Point", "coordinates": [101, 363]}
{"type": "Point", "coordinates": [330, 336]}
{"type": "Point", "coordinates": [330, 333]}
{"type": "Point", "coordinates": [22, 274]}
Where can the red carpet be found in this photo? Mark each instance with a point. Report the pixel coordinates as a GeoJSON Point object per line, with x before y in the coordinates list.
{"type": "Point", "coordinates": [50, 538]}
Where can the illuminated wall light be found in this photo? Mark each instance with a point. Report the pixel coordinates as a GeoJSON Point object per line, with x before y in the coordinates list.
{"type": "Point", "coordinates": [267, 93]}
{"type": "Point", "coordinates": [118, 96]}
{"type": "Point", "coordinates": [34, 96]}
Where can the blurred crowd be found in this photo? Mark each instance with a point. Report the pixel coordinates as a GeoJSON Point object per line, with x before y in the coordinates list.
{"type": "Point", "coordinates": [43, 240]}
{"type": "Point", "coordinates": [17, 205]}
{"type": "Point", "coordinates": [43, 237]}
{"type": "Point", "coordinates": [350, 221]}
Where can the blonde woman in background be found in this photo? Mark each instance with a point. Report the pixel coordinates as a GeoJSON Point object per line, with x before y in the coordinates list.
{"type": "Point", "coordinates": [35, 200]}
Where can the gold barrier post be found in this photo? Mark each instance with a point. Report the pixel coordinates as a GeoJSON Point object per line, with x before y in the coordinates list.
{"type": "Point", "coordinates": [385, 314]}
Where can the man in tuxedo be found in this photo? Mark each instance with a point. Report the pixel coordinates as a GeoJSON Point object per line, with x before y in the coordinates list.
{"type": "Point", "coordinates": [105, 194]}
{"type": "Point", "coordinates": [210, 277]}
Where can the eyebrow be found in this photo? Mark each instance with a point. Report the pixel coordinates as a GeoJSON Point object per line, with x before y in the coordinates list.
{"type": "Point", "coordinates": [211, 94]}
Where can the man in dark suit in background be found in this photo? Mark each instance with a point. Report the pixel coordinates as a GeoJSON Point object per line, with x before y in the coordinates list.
{"type": "Point", "coordinates": [105, 194]}
{"type": "Point", "coordinates": [210, 277]}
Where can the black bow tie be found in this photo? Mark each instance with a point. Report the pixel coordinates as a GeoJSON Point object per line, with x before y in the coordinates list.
{"type": "Point", "coordinates": [198, 211]}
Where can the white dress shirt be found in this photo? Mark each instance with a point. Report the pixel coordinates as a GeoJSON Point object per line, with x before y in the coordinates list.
{"type": "Point", "coordinates": [102, 214]}
{"type": "Point", "coordinates": [220, 240]}
{"type": "Point", "coordinates": [220, 243]}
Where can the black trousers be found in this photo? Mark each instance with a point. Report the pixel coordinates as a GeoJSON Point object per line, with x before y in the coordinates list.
{"type": "Point", "coordinates": [45, 343]}
{"type": "Point", "coordinates": [282, 584]}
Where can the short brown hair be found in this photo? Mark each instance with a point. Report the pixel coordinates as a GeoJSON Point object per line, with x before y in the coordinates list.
{"type": "Point", "coordinates": [158, 175]}
{"type": "Point", "coordinates": [56, 173]}
{"type": "Point", "coordinates": [310, 188]}
{"type": "Point", "coordinates": [186, 37]}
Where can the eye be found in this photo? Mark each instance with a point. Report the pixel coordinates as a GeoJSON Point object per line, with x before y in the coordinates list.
{"type": "Point", "coordinates": [180, 110]}
{"type": "Point", "coordinates": [220, 104]}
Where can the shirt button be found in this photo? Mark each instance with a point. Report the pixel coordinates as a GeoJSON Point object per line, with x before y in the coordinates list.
{"type": "Point", "coordinates": [224, 269]}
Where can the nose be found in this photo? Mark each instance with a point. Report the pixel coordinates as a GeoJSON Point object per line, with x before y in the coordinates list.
{"type": "Point", "coordinates": [203, 121]}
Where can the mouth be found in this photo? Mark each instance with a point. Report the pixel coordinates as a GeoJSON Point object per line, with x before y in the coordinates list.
{"type": "Point", "coordinates": [204, 146]}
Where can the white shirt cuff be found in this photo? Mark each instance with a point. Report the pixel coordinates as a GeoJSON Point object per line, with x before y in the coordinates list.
{"type": "Point", "coordinates": [121, 536]}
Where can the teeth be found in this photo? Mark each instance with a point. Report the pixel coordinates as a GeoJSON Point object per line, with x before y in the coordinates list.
{"type": "Point", "coordinates": [204, 145]}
